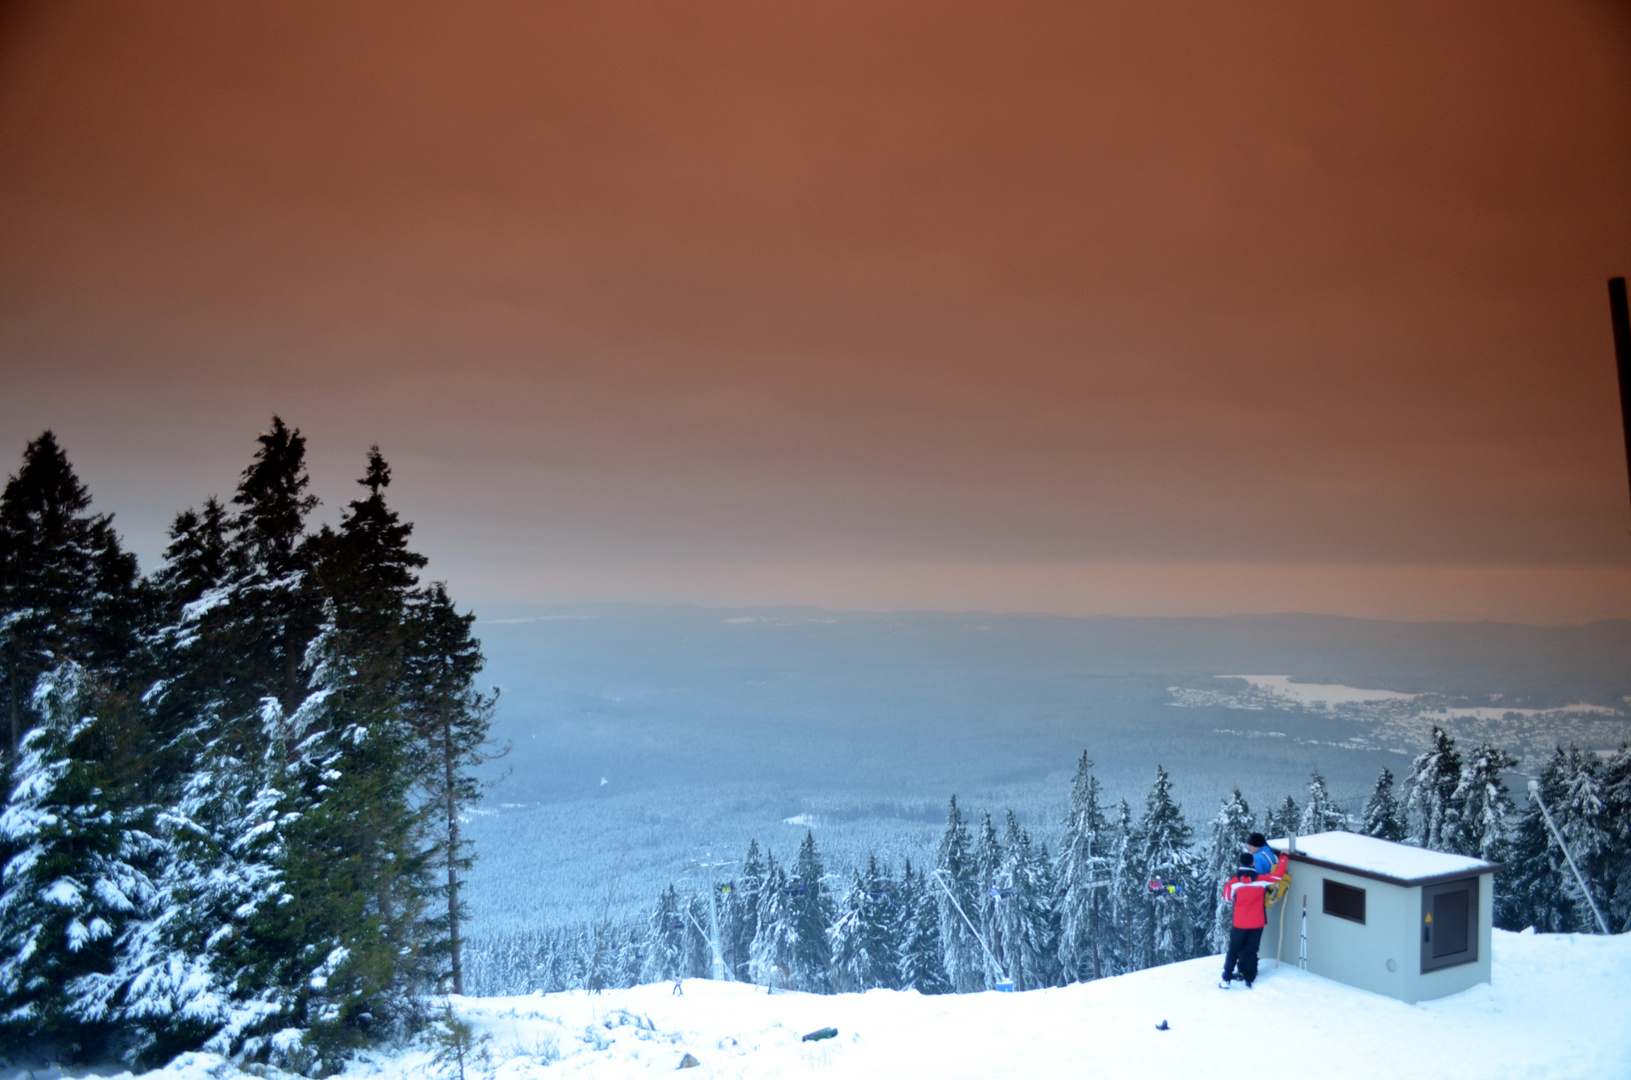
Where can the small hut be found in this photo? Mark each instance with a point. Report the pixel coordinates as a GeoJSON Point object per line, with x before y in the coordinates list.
{"type": "Point", "coordinates": [1391, 918]}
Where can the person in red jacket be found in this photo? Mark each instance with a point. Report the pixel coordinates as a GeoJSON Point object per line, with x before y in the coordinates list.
{"type": "Point", "coordinates": [1247, 892]}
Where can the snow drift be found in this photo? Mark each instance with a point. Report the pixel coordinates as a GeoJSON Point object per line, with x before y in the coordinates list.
{"type": "Point", "coordinates": [1554, 1009]}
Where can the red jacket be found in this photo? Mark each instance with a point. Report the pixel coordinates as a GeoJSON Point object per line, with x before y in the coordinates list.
{"type": "Point", "coordinates": [1248, 894]}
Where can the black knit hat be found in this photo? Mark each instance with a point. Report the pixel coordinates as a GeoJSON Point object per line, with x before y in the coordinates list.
{"type": "Point", "coordinates": [1257, 839]}
{"type": "Point", "coordinates": [1246, 862]}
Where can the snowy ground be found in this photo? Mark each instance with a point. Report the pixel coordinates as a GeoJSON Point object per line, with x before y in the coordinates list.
{"type": "Point", "coordinates": [1555, 1009]}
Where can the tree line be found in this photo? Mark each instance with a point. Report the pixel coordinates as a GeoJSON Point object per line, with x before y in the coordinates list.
{"type": "Point", "coordinates": [233, 786]}
{"type": "Point", "coordinates": [1123, 890]}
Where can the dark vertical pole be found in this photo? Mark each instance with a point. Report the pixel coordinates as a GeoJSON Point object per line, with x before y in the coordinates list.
{"type": "Point", "coordinates": [1622, 353]}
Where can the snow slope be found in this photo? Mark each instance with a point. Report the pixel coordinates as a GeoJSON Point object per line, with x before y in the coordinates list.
{"type": "Point", "coordinates": [1555, 1009]}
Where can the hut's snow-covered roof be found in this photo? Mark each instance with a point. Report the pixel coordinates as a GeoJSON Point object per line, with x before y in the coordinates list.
{"type": "Point", "coordinates": [1402, 864]}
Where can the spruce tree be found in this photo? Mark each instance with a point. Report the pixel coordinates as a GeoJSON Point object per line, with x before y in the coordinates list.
{"type": "Point", "coordinates": [957, 898]}
{"type": "Point", "coordinates": [1321, 813]}
{"type": "Point", "coordinates": [1027, 922]}
{"type": "Point", "coordinates": [1163, 855]}
{"type": "Point", "coordinates": [273, 609]}
{"type": "Point", "coordinates": [1128, 895]}
{"type": "Point", "coordinates": [198, 560]}
{"type": "Point", "coordinates": [1616, 779]}
{"type": "Point", "coordinates": [773, 956]}
{"type": "Point", "coordinates": [812, 913]}
{"type": "Point", "coordinates": [1384, 817]}
{"type": "Point", "coordinates": [740, 922]}
{"type": "Point", "coordinates": [449, 720]}
{"type": "Point", "coordinates": [922, 954]}
{"type": "Point", "coordinates": [987, 865]}
{"type": "Point", "coordinates": [1230, 828]}
{"type": "Point", "coordinates": [1083, 872]}
{"type": "Point", "coordinates": [1484, 809]}
{"type": "Point", "coordinates": [189, 665]}
{"type": "Point", "coordinates": [1532, 889]}
{"type": "Point", "coordinates": [1282, 820]}
{"type": "Point", "coordinates": [183, 971]}
{"type": "Point", "coordinates": [665, 941]}
{"type": "Point", "coordinates": [68, 591]}
{"type": "Point", "coordinates": [1430, 799]}
{"type": "Point", "coordinates": [75, 861]}
{"type": "Point", "coordinates": [848, 939]}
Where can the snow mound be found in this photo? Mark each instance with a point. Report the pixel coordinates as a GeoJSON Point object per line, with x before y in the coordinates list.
{"type": "Point", "coordinates": [1554, 1009]}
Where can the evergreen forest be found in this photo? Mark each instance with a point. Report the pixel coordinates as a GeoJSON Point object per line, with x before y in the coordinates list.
{"type": "Point", "coordinates": [1125, 889]}
{"type": "Point", "coordinates": [233, 786]}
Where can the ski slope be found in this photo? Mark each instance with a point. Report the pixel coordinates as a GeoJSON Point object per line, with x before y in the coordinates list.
{"type": "Point", "coordinates": [1556, 1008]}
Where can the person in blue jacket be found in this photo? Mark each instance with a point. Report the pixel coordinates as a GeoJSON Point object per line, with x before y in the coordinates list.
{"type": "Point", "coordinates": [1262, 857]}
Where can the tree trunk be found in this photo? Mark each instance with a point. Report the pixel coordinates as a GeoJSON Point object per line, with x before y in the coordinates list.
{"type": "Point", "coordinates": [452, 855]}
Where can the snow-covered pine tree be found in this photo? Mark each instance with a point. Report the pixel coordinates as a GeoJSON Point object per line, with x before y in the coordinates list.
{"type": "Point", "coordinates": [180, 978]}
{"type": "Point", "coordinates": [812, 912]}
{"type": "Point", "coordinates": [450, 720]}
{"type": "Point", "coordinates": [665, 938]}
{"type": "Point", "coordinates": [1282, 820]}
{"type": "Point", "coordinates": [1484, 809]}
{"type": "Point", "coordinates": [922, 959]}
{"type": "Point", "coordinates": [186, 659]}
{"type": "Point", "coordinates": [957, 898]}
{"type": "Point", "coordinates": [630, 961]}
{"type": "Point", "coordinates": [1430, 794]}
{"type": "Point", "coordinates": [1083, 873]}
{"type": "Point", "coordinates": [988, 859]}
{"type": "Point", "coordinates": [350, 946]}
{"type": "Point", "coordinates": [1027, 922]}
{"type": "Point", "coordinates": [1384, 817]}
{"type": "Point", "coordinates": [1231, 826]}
{"type": "Point", "coordinates": [885, 919]}
{"type": "Point", "coordinates": [68, 591]}
{"type": "Point", "coordinates": [739, 922]}
{"type": "Point", "coordinates": [1162, 853]}
{"type": "Point", "coordinates": [849, 939]}
{"type": "Point", "coordinates": [773, 955]}
{"type": "Point", "coordinates": [699, 950]}
{"type": "Point", "coordinates": [75, 856]}
{"type": "Point", "coordinates": [272, 609]}
{"type": "Point", "coordinates": [1321, 813]}
{"type": "Point", "coordinates": [1530, 889]}
{"type": "Point", "coordinates": [1124, 937]}
{"type": "Point", "coordinates": [1582, 818]}
{"type": "Point", "coordinates": [1616, 774]}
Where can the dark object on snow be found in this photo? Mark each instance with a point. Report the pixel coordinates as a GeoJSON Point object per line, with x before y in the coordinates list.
{"type": "Point", "coordinates": [1162, 1026]}
{"type": "Point", "coordinates": [817, 1036]}
{"type": "Point", "coordinates": [689, 1062]}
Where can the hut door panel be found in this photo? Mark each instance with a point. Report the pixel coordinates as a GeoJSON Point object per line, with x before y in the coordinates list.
{"type": "Point", "coordinates": [1449, 924]}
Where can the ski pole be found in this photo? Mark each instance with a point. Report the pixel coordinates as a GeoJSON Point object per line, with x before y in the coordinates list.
{"type": "Point", "coordinates": [1302, 948]}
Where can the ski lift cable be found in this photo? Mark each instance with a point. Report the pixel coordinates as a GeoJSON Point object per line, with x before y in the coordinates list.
{"type": "Point", "coordinates": [1534, 793]}
{"type": "Point", "coordinates": [939, 878]}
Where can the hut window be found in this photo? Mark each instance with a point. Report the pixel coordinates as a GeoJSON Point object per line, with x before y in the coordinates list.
{"type": "Point", "coordinates": [1344, 901]}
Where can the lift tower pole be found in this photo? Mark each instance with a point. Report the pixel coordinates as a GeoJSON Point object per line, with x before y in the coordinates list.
{"type": "Point", "coordinates": [1622, 353]}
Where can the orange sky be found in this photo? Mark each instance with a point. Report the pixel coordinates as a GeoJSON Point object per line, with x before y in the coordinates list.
{"type": "Point", "coordinates": [1184, 307]}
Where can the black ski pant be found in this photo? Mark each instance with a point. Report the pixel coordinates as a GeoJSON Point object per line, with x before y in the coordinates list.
{"type": "Point", "coordinates": [1242, 950]}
